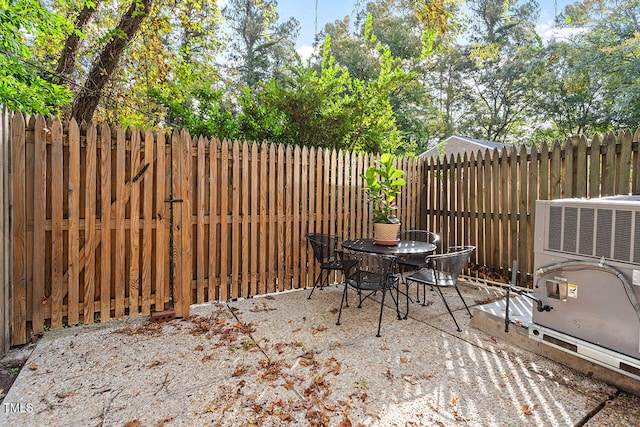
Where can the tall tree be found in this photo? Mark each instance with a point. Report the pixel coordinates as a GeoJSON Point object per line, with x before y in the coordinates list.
{"type": "Point", "coordinates": [589, 81]}
{"type": "Point", "coordinates": [87, 99]}
{"type": "Point", "coordinates": [169, 68]}
{"type": "Point", "coordinates": [258, 42]}
{"type": "Point", "coordinates": [498, 84]}
{"type": "Point", "coordinates": [68, 56]}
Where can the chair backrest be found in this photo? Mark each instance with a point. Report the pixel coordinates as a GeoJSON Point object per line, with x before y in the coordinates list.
{"type": "Point", "coordinates": [420, 236]}
{"type": "Point", "coordinates": [324, 245]}
{"type": "Point", "coordinates": [373, 271]}
{"type": "Point", "coordinates": [448, 266]}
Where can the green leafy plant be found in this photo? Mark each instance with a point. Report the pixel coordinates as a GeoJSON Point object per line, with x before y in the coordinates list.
{"type": "Point", "coordinates": [384, 184]}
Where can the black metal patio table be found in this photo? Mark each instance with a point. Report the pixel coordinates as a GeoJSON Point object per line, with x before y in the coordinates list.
{"type": "Point", "coordinates": [404, 247]}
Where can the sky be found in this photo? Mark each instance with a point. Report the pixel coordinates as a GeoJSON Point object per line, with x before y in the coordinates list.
{"type": "Point", "coordinates": [330, 10]}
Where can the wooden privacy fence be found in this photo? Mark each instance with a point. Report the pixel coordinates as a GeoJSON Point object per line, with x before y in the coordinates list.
{"type": "Point", "coordinates": [110, 223]}
{"type": "Point", "coordinates": [487, 199]}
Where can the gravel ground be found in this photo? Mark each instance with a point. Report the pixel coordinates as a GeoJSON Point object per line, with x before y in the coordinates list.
{"type": "Point", "coordinates": [282, 360]}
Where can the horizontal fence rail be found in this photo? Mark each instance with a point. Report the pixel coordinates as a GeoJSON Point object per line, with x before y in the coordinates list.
{"type": "Point", "coordinates": [110, 222]}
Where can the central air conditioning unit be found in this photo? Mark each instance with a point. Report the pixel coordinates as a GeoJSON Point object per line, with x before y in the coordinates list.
{"type": "Point", "coordinates": [587, 268]}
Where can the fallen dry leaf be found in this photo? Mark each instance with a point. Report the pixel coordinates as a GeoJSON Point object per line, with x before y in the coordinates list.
{"type": "Point", "coordinates": [134, 423]}
{"type": "Point", "coordinates": [288, 385]}
{"type": "Point", "coordinates": [198, 348]}
{"type": "Point", "coordinates": [161, 423]}
{"type": "Point", "coordinates": [155, 363]}
{"type": "Point", "coordinates": [411, 379]}
{"type": "Point", "coordinates": [65, 394]}
{"type": "Point", "coordinates": [239, 371]}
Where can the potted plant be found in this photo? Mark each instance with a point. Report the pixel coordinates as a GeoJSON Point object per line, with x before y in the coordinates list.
{"type": "Point", "coordinates": [384, 184]}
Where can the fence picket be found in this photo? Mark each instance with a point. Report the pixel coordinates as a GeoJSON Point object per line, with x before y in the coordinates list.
{"type": "Point", "coordinates": [18, 323]}
{"type": "Point", "coordinates": [39, 216]}
{"type": "Point", "coordinates": [105, 222]}
{"type": "Point", "coordinates": [305, 195]}
{"type": "Point", "coordinates": [236, 239]}
{"type": "Point", "coordinates": [90, 225]}
{"type": "Point", "coordinates": [295, 209]}
{"type": "Point", "coordinates": [264, 220]}
{"type": "Point", "coordinates": [57, 245]}
{"type": "Point", "coordinates": [147, 227]}
{"type": "Point", "coordinates": [581, 167]}
{"type": "Point", "coordinates": [134, 230]}
{"type": "Point", "coordinates": [201, 188]}
{"type": "Point", "coordinates": [281, 266]}
{"type": "Point", "coordinates": [255, 218]}
{"type": "Point", "coordinates": [595, 164]}
{"type": "Point", "coordinates": [224, 188]}
{"type": "Point", "coordinates": [120, 246]}
{"type": "Point", "coordinates": [162, 244]}
{"type": "Point", "coordinates": [523, 210]}
{"type": "Point", "coordinates": [273, 215]}
{"type": "Point", "coordinates": [626, 142]}
{"type": "Point", "coordinates": [186, 272]}
{"type": "Point", "coordinates": [214, 220]}
{"type": "Point", "coordinates": [245, 248]}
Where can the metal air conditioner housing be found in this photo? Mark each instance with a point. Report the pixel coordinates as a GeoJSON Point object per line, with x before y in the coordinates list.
{"type": "Point", "coordinates": [587, 267]}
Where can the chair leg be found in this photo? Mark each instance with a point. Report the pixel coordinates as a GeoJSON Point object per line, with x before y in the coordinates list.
{"type": "Point", "coordinates": [463, 301]}
{"type": "Point", "coordinates": [448, 309]}
{"type": "Point", "coordinates": [396, 300]}
{"type": "Point", "coordinates": [380, 317]}
{"type": "Point", "coordinates": [318, 280]}
{"type": "Point", "coordinates": [424, 295]}
{"type": "Point", "coordinates": [344, 294]}
{"type": "Point", "coordinates": [406, 313]}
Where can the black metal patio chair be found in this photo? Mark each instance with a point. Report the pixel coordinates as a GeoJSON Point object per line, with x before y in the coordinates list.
{"type": "Point", "coordinates": [410, 262]}
{"type": "Point", "coordinates": [442, 271]}
{"type": "Point", "coordinates": [325, 250]}
{"type": "Point", "coordinates": [373, 273]}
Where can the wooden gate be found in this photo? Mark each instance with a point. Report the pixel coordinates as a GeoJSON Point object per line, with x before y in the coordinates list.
{"type": "Point", "coordinates": [91, 225]}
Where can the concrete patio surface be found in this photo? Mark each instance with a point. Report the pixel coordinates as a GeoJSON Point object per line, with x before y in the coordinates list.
{"type": "Point", "coordinates": [282, 360]}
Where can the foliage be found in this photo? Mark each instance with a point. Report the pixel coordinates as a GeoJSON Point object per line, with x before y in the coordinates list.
{"type": "Point", "coordinates": [25, 84]}
{"type": "Point", "coordinates": [166, 66]}
{"type": "Point", "coordinates": [394, 78]}
{"type": "Point", "coordinates": [384, 182]}
{"type": "Point", "coordinates": [590, 82]}
{"type": "Point", "coordinates": [203, 111]}
{"type": "Point", "coordinates": [326, 109]}
{"type": "Point", "coordinates": [259, 43]}
{"type": "Point", "coordinates": [496, 83]}
{"type": "Point", "coordinates": [389, 25]}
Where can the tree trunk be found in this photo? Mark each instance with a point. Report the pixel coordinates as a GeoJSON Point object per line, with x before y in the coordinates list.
{"type": "Point", "coordinates": [67, 61]}
{"type": "Point", "coordinates": [87, 100]}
